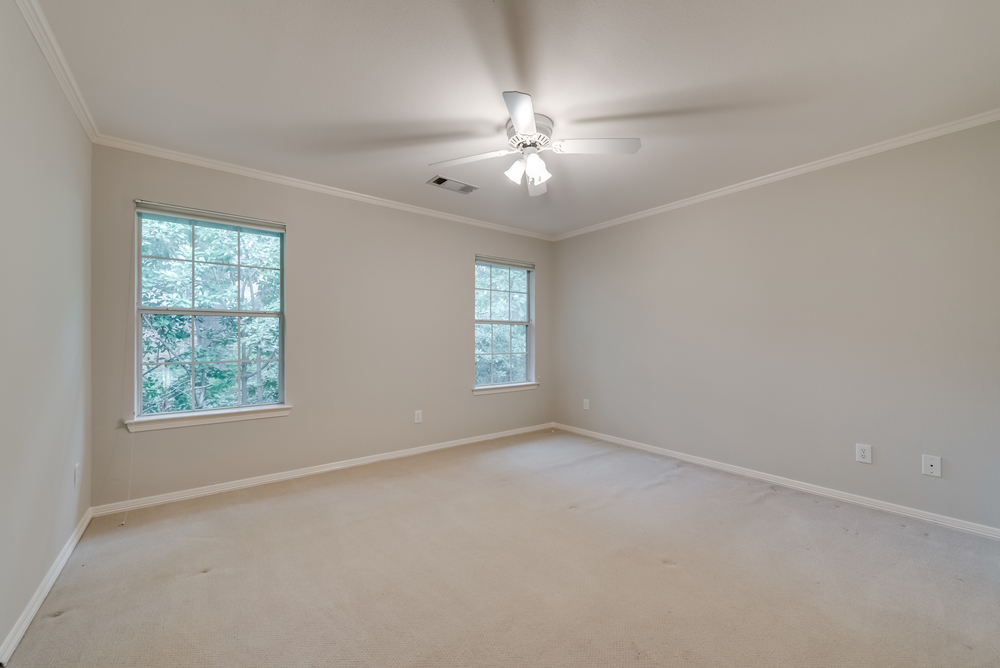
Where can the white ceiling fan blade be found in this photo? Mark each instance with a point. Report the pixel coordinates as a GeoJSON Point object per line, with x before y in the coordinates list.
{"type": "Point", "coordinates": [522, 113]}
{"type": "Point", "coordinates": [473, 158]}
{"type": "Point", "coordinates": [534, 190]}
{"type": "Point", "coordinates": [597, 146]}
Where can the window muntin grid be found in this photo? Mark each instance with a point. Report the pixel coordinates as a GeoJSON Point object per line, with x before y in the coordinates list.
{"type": "Point", "coordinates": [502, 325]}
{"type": "Point", "coordinates": [220, 285]}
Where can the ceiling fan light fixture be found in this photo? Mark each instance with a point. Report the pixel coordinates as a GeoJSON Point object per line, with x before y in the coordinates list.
{"type": "Point", "coordinates": [528, 133]}
{"type": "Point", "coordinates": [535, 169]}
{"type": "Point", "coordinates": [516, 171]}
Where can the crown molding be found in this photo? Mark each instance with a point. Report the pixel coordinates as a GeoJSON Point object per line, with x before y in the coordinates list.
{"type": "Point", "coordinates": [39, 27]}
{"type": "Point", "coordinates": [218, 165]}
{"type": "Point", "coordinates": [855, 154]}
{"type": "Point", "coordinates": [53, 54]}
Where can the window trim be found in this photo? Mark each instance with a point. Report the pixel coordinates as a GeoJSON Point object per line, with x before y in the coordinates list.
{"type": "Point", "coordinates": [504, 387]}
{"type": "Point", "coordinates": [206, 416]}
{"type": "Point", "coordinates": [140, 422]}
{"type": "Point", "coordinates": [532, 381]}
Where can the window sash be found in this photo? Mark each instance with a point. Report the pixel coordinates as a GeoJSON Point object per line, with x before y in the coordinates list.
{"type": "Point", "coordinates": [527, 309]}
{"type": "Point", "coordinates": [194, 262]}
{"type": "Point", "coordinates": [194, 363]}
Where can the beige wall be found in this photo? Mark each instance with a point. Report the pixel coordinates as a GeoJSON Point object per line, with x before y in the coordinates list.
{"type": "Point", "coordinates": [379, 323]}
{"type": "Point", "coordinates": [775, 328]}
{"type": "Point", "coordinates": [772, 329]}
{"type": "Point", "coordinates": [44, 274]}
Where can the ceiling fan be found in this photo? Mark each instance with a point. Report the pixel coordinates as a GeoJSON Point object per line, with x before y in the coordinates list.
{"type": "Point", "coordinates": [529, 134]}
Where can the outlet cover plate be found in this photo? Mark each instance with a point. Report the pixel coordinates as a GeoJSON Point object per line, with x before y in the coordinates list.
{"type": "Point", "coordinates": [863, 453]}
{"type": "Point", "coordinates": [418, 417]}
{"type": "Point", "coordinates": [931, 465]}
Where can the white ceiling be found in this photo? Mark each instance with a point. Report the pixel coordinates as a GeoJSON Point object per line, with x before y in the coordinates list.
{"type": "Point", "coordinates": [363, 95]}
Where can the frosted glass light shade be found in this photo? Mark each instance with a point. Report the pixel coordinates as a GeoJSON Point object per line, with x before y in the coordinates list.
{"type": "Point", "coordinates": [516, 171]}
{"type": "Point", "coordinates": [535, 169]}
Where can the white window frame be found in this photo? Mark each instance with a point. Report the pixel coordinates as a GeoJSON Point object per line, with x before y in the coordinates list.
{"type": "Point", "coordinates": [140, 422]}
{"type": "Point", "coordinates": [531, 383]}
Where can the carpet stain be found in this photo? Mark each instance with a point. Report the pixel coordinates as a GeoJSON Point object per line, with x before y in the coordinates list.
{"type": "Point", "coordinates": [670, 563]}
{"type": "Point", "coordinates": [57, 613]}
{"type": "Point", "coordinates": [639, 653]}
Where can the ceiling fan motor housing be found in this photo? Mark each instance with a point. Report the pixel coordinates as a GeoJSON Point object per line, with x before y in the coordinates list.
{"type": "Point", "coordinates": [542, 136]}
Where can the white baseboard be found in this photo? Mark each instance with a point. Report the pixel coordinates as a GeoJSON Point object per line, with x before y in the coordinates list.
{"type": "Point", "coordinates": [207, 490]}
{"type": "Point", "coordinates": [961, 525]}
{"type": "Point", "coordinates": [16, 633]}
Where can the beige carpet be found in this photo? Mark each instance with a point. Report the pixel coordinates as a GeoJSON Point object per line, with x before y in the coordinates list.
{"type": "Point", "coordinates": [545, 549]}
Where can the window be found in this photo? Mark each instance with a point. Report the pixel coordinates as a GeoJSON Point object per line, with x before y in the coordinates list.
{"type": "Point", "coordinates": [504, 332]}
{"type": "Point", "coordinates": [210, 317]}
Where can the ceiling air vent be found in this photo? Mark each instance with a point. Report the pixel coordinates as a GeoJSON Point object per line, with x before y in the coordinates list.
{"type": "Point", "coordinates": [452, 184]}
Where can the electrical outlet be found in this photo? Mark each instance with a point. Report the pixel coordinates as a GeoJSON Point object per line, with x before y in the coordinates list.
{"type": "Point", "coordinates": [586, 404]}
{"type": "Point", "coordinates": [931, 465]}
{"type": "Point", "coordinates": [863, 453]}
{"type": "Point", "coordinates": [76, 477]}
{"type": "Point", "coordinates": [418, 417]}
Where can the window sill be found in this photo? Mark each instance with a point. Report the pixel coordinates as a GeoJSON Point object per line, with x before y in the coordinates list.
{"type": "Point", "coordinates": [172, 420]}
{"type": "Point", "coordinates": [510, 387]}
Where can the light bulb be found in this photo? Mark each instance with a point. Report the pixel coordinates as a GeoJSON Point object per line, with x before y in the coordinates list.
{"type": "Point", "coordinates": [516, 171]}
{"type": "Point", "coordinates": [535, 169]}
